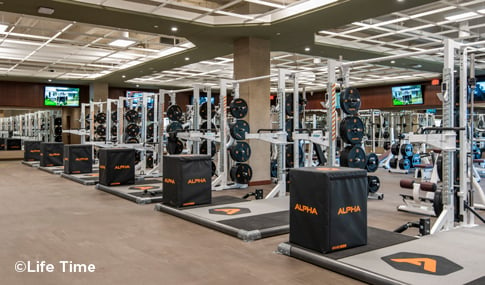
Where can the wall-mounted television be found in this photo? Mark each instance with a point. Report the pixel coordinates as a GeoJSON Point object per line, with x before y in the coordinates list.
{"type": "Point", "coordinates": [61, 96]}
{"type": "Point", "coordinates": [137, 95]}
{"type": "Point", "coordinates": [202, 100]}
{"type": "Point", "coordinates": [407, 95]}
{"type": "Point", "coordinates": [479, 91]}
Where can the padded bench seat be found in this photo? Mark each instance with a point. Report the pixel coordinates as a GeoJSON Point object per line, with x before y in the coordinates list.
{"type": "Point", "coordinates": [423, 166]}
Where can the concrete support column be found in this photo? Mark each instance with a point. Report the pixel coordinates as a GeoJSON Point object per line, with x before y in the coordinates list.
{"type": "Point", "coordinates": [98, 92]}
{"type": "Point", "coordinates": [252, 59]}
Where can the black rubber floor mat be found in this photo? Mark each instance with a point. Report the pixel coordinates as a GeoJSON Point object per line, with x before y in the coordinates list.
{"type": "Point", "coordinates": [218, 200]}
{"type": "Point", "coordinates": [259, 222]}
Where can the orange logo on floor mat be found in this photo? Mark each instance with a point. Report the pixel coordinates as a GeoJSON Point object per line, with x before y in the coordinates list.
{"type": "Point", "coordinates": [143, 188]}
{"type": "Point", "coordinates": [421, 263]}
{"type": "Point", "coordinates": [229, 211]}
{"type": "Point", "coordinates": [427, 263]}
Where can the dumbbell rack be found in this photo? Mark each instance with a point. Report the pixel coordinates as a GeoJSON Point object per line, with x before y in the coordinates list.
{"type": "Point", "coordinates": [401, 161]}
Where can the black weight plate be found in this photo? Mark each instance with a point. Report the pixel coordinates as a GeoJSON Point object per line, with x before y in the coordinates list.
{"type": "Point", "coordinates": [131, 116]}
{"type": "Point", "coordinates": [353, 156]}
{"type": "Point", "coordinates": [149, 161]}
{"type": "Point", "coordinates": [239, 129]}
{"type": "Point", "coordinates": [407, 150]}
{"type": "Point", "coordinates": [174, 113]}
{"type": "Point", "coordinates": [240, 152]}
{"type": "Point", "coordinates": [58, 131]}
{"type": "Point", "coordinates": [100, 118]}
{"type": "Point", "coordinates": [58, 121]}
{"type": "Point", "coordinates": [404, 164]}
{"type": "Point", "coordinates": [131, 140]}
{"type": "Point", "coordinates": [393, 162]}
{"type": "Point", "coordinates": [373, 184]}
{"type": "Point", "coordinates": [114, 116]}
{"type": "Point", "coordinates": [203, 148]}
{"type": "Point", "coordinates": [352, 130]}
{"type": "Point", "coordinates": [238, 108]}
{"type": "Point", "coordinates": [203, 127]}
{"type": "Point", "coordinates": [289, 104]}
{"type": "Point", "coordinates": [415, 160]}
{"type": "Point", "coordinates": [214, 168]}
{"type": "Point", "coordinates": [58, 139]}
{"type": "Point", "coordinates": [274, 168]}
{"type": "Point", "coordinates": [100, 130]}
{"type": "Point", "coordinates": [174, 126]}
{"type": "Point", "coordinates": [203, 110]}
{"type": "Point", "coordinates": [371, 162]}
{"type": "Point", "coordinates": [377, 134]}
{"type": "Point", "coordinates": [150, 130]}
{"type": "Point", "coordinates": [114, 131]}
{"type": "Point", "coordinates": [350, 101]}
{"type": "Point", "coordinates": [289, 156]}
{"type": "Point", "coordinates": [132, 130]}
{"type": "Point", "coordinates": [137, 156]}
{"type": "Point", "coordinates": [241, 173]}
{"type": "Point", "coordinates": [386, 134]}
{"type": "Point", "coordinates": [439, 167]}
{"type": "Point", "coordinates": [175, 146]}
{"type": "Point", "coordinates": [150, 114]}
{"type": "Point", "coordinates": [395, 148]}
{"type": "Point", "coordinates": [438, 202]}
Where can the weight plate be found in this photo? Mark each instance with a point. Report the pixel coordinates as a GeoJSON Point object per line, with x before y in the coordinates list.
{"type": "Point", "coordinates": [174, 126]}
{"type": "Point", "coordinates": [174, 113]}
{"type": "Point", "coordinates": [239, 129]}
{"type": "Point", "coordinates": [289, 104]}
{"type": "Point", "coordinates": [386, 134]}
{"type": "Point", "coordinates": [203, 148]}
{"type": "Point", "coordinates": [203, 110]}
{"type": "Point", "coordinates": [175, 146]}
{"type": "Point", "coordinates": [404, 164]}
{"type": "Point", "coordinates": [203, 127]}
{"type": "Point", "coordinates": [137, 156]}
{"type": "Point", "coordinates": [58, 121]}
{"type": "Point", "coordinates": [373, 184]}
{"type": "Point", "coordinates": [407, 150]}
{"type": "Point", "coordinates": [350, 101]}
{"type": "Point", "coordinates": [114, 131]}
{"type": "Point", "coordinates": [439, 167]}
{"type": "Point", "coordinates": [131, 116]}
{"type": "Point", "coordinates": [238, 108]}
{"type": "Point", "coordinates": [377, 134]}
{"type": "Point", "coordinates": [150, 130]}
{"type": "Point", "coordinates": [100, 130]}
{"type": "Point", "coordinates": [150, 114]}
{"type": "Point", "coordinates": [149, 160]}
{"type": "Point", "coordinates": [132, 130]}
{"type": "Point", "coordinates": [58, 131]}
{"type": "Point", "coordinates": [352, 130]}
{"type": "Point", "coordinates": [353, 156]}
{"type": "Point", "coordinates": [240, 152]}
{"type": "Point", "coordinates": [393, 162]}
{"type": "Point", "coordinates": [395, 148]}
{"type": "Point", "coordinates": [131, 140]}
{"type": "Point", "coordinates": [371, 162]}
{"type": "Point", "coordinates": [415, 160]}
{"type": "Point", "coordinates": [214, 168]}
{"type": "Point", "coordinates": [241, 173]}
{"type": "Point", "coordinates": [289, 156]}
{"type": "Point", "coordinates": [100, 118]}
{"type": "Point", "coordinates": [114, 116]}
{"type": "Point", "coordinates": [274, 168]}
{"type": "Point", "coordinates": [58, 139]}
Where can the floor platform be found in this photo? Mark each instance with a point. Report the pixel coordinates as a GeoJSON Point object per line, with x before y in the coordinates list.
{"type": "Point", "coordinates": [142, 192]}
{"type": "Point", "coordinates": [35, 164]}
{"type": "Point", "coordinates": [389, 258]}
{"type": "Point", "coordinates": [84, 178]}
{"type": "Point", "coordinates": [52, 169]}
{"type": "Point", "coordinates": [244, 219]}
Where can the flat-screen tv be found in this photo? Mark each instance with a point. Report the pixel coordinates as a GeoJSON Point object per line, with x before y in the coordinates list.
{"type": "Point", "coordinates": [138, 95]}
{"type": "Point", "coordinates": [480, 91]}
{"type": "Point", "coordinates": [407, 95]}
{"type": "Point", "coordinates": [202, 100]}
{"type": "Point", "coordinates": [61, 96]}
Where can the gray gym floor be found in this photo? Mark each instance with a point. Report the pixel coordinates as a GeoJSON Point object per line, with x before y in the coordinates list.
{"type": "Point", "coordinates": [46, 217]}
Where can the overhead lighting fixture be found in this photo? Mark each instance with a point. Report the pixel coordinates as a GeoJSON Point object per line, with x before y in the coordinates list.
{"type": "Point", "coordinates": [137, 85]}
{"type": "Point", "coordinates": [266, 3]}
{"type": "Point", "coordinates": [187, 58]}
{"type": "Point", "coordinates": [3, 28]}
{"type": "Point", "coordinates": [461, 16]}
{"type": "Point", "coordinates": [307, 49]}
{"type": "Point", "coordinates": [393, 61]}
{"type": "Point", "coordinates": [45, 10]}
{"type": "Point", "coordinates": [174, 29]}
{"type": "Point", "coordinates": [482, 11]}
{"type": "Point", "coordinates": [123, 76]}
{"type": "Point", "coordinates": [121, 43]}
{"type": "Point", "coordinates": [50, 80]}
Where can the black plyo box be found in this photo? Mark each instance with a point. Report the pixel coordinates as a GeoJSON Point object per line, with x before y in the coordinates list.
{"type": "Point", "coordinates": [328, 208]}
{"type": "Point", "coordinates": [78, 158]}
{"type": "Point", "coordinates": [51, 154]}
{"type": "Point", "coordinates": [187, 180]}
{"type": "Point", "coordinates": [32, 150]}
{"type": "Point", "coordinates": [116, 166]}
{"type": "Point", "coordinates": [14, 144]}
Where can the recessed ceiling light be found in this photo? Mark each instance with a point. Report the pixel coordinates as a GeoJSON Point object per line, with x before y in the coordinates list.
{"type": "Point", "coordinates": [121, 43]}
{"type": "Point", "coordinates": [123, 76]}
{"type": "Point", "coordinates": [307, 49]}
{"type": "Point", "coordinates": [393, 61]}
{"type": "Point", "coordinates": [187, 58]}
{"type": "Point", "coordinates": [3, 28]}
{"type": "Point", "coordinates": [50, 80]}
{"type": "Point", "coordinates": [137, 85]}
{"type": "Point", "coordinates": [155, 26]}
{"type": "Point", "coordinates": [461, 16]}
{"type": "Point", "coordinates": [482, 11]}
{"type": "Point", "coordinates": [45, 10]}
{"type": "Point", "coordinates": [174, 29]}
{"type": "Point", "coordinates": [400, 0]}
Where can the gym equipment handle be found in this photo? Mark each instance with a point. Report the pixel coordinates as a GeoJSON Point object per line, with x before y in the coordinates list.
{"type": "Point", "coordinates": [269, 130]}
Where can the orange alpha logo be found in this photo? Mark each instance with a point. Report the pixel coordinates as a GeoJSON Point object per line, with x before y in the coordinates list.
{"type": "Point", "coordinates": [422, 263]}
